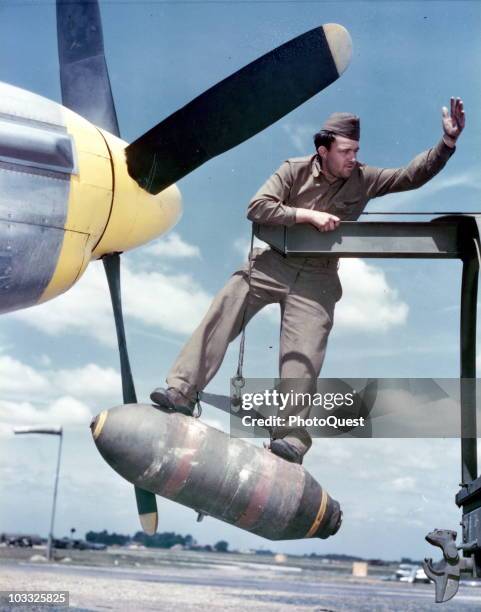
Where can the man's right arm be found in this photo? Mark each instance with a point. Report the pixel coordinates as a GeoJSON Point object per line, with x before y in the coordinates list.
{"type": "Point", "coordinates": [268, 206]}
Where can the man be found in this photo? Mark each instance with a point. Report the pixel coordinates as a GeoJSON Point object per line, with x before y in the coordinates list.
{"type": "Point", "coordinates": [321, 190]}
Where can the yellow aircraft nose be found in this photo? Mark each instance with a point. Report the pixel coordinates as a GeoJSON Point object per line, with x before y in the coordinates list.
{"type": "Point", "coordinates": [65, 198]}
{"type": "Point", "coordinates": [136, 216]}
{"type": "Point", "coordinates": [106, 206]}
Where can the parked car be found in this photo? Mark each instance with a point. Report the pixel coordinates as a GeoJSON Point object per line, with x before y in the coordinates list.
{"type": "Point", "coordinates": [84, 545]}
{"type": "Point", "coordinates": [404, 571]}
{"type": "Point", "coordinates": [411, 573]}
{"type": "Point", "coordinates": [20, 539]}
{"type": "Point", "coordinates": [68, 543]}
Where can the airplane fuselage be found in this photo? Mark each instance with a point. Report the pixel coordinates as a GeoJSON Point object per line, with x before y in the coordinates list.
{"type": "Point", "coordinates": [65, 198]}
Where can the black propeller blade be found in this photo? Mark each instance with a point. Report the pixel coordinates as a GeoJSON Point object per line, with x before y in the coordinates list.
{"type": "Point", "coordinates": [84, 78]}
{"type": "Point", "coordinates": [239, 107]}
{"type": "Point", "coordinates": [86, 90]}
{"type": "Point", "coordinates": [146, 502]}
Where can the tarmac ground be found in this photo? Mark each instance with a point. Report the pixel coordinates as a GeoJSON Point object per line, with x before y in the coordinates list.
{"type": "Point", "coordinates": [120, 579]}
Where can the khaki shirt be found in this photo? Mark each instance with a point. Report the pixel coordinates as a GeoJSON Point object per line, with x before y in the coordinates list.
{"type": "Point", "coordinates": [300, 183]}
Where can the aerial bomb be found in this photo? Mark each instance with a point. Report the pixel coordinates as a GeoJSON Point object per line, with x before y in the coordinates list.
{"type": "Point", "coordinates": [187, 461]}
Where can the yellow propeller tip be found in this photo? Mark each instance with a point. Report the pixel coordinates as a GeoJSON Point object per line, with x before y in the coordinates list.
{"type": "Point", "coordinates": [340, 44]}
{"type": "Point", "coordinates": [149, 522]}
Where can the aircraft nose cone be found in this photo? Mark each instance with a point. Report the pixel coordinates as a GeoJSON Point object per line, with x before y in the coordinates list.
{"type": "Point", "coordinates": [97, 424]}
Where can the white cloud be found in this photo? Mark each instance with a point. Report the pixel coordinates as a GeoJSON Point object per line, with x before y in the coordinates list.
{"type": "Point", "coordinates": [300, 136]}
{"type": "Point", "coordinates": [397, 458]}
{"type": "Point", "coordinates": [406, 473]}
{"type": "Point", "coordinates": [173, 246]}
{"type": "Point", "coordinates": [333, 451]}
{"type": "Point", "coordinates": [404, 483]}
{"type": "Point", "coordinates": [83, 309]}
{"type": "Point", "coordinates": [56, 397]}
{"type": "Point", "coordinates": [5, 432]}
{"type": "Point", "coordinates": [90, 380]}
{"type": "Point", "coordinates": [173, 303]}
{"type": "Point", "coordinates": [272, 313]}
{"type": "Point", "coordinates": [243, 245]}
{"type": "Point", "coordinates": [469, 179]}
{"type": "Point", "coordinates": [45, 360]}
{"type": "Point", "coordinates": [16, 377]}
{"type": "Point", "coordinates": [368, 303]}
{"type": "Point", "coordinates": [64, 411]}
{"type": "Point", "coordinates": [19, 380]}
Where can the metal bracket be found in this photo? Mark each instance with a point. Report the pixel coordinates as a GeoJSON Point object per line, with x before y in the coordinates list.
{"type": "Point", "coordinates": [444, 573]}
{"type": "Point", "coordinates": [451, 236]}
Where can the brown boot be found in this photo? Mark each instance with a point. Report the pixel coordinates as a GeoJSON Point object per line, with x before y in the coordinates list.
{"type": "Point", "coordinates": [174, 400]}
{"type": "Point", "coordinates": [286, 451]}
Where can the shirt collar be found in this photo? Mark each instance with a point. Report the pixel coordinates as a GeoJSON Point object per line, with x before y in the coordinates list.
{"type": "Point", "coordinates": [315, 166]}
{"type": "Point", "coordinates": [316, 170]}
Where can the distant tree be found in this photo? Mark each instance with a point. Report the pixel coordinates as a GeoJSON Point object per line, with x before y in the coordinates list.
{"type": "Point", "coordinates": [379, 562]}
{"type": "Point", "coordinates": [103, 537]}
{"type": "Point", "coordinates": [221, 546]}
{"type": "Point", "coordinates": [189, 541]}
{"type": "Point", "coordinates": [263, 551]}
{"type": "Point", "coordinates": [167, 539]}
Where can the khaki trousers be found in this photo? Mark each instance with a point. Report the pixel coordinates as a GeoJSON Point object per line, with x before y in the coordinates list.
{"type": "Point", "coordinates": [307, 290]}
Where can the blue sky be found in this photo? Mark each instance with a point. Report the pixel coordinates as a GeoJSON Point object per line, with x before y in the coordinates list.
{"type": "Point", "coordinates": [58, 363]}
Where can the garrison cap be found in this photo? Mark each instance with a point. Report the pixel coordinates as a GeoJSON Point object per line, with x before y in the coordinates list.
{"type": "Point", "coordinates": [343, 124]}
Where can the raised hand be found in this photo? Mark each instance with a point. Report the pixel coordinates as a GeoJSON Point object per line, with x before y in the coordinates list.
{"type": "Point", "coordinates": [454, 121]}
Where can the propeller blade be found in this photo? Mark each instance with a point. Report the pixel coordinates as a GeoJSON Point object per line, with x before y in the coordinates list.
{"type": "Point", "coordinates": [146, 502]}
{"type": "Point", "coordinates": [239, 107]}
{"type": "Point", "coordinates": [84, 77]}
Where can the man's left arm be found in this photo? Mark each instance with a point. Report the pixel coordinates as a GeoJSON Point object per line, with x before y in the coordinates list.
{"type": "Point", "coordinates": [381, 181]}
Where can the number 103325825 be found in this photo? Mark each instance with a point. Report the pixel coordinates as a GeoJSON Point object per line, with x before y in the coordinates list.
{"type": "Point", "coordinates": [35, 598]}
